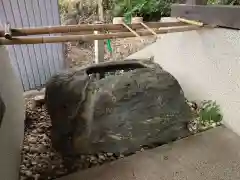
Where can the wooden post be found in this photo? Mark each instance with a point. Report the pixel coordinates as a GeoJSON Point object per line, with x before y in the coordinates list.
{"type": "Point", "coordinates": [99, 44]}
{"type": "Point", "coordinates": [98, 48]}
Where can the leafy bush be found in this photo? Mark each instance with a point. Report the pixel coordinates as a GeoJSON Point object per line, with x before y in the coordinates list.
{"type": "Point", "coordinates": [63, 6]}
{"type": "Point", "coordinates": [148, 9]}
{"type": "Point", "coordinates": [224, 2]}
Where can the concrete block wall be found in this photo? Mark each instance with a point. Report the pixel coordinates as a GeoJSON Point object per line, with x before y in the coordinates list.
{"type": "Point", "coordinates": [207, 65]}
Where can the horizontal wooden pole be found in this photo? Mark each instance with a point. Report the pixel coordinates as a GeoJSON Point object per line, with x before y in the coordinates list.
{"type": "Point", "coordinates": [215, 15]}
{"type": "Point", "coordinates": [85, 27]}
{"type": "Point", "coordinates": [66, 38]}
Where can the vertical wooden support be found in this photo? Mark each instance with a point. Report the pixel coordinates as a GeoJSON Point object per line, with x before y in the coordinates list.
{"type": "Point", "coordinates": [98, 48]}
{"type": "Point", "coordinates": [99, 44]}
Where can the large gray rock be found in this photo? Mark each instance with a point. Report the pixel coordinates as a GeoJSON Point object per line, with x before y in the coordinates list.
{"type": "Point", "coordinates": [118, 113]}
{"type": "Point", "coordinates": [2, 110]}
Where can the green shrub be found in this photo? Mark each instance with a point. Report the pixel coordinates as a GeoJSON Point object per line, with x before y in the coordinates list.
{"type": "Point", "coordinates": [210, 113]}
{"type": "Point", "coordinates": [63, 6]}
{"type": "Point", "coordinates": [148, 9]}
{"type": "Point", "coordinates": [224, 2]}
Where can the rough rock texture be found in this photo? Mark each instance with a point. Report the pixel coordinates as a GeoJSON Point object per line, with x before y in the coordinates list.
{"type": "Point", "coordinates": [141, 105]}
{"type": "Point", "coordinates": [2, 110]}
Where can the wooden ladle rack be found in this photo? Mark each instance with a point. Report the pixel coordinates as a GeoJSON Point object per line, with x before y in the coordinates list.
{"type": "Point", "coordinates": [11, 36]}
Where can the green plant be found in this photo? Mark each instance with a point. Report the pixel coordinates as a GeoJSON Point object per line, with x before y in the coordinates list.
{"type": "Point", "coordinates": [210, 113]}
{"type": "Point", "coordinates": [224, 2]}
{"type": "Point", "coordinates": [148, 9]}
{"type": "Point", "coordinates": [63, 6]}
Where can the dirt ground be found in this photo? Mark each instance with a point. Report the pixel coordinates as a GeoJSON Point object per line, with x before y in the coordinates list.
{"type": "Point", "coordinates": [83, 54]}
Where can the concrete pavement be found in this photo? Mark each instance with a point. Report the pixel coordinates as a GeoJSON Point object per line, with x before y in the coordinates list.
{"type": "Point", "coordinates": [213, 155]}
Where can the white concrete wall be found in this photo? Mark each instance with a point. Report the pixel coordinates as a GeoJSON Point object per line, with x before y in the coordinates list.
{"type": "Point", "coordinates": [12, 127]}
{"type": "Point", "coordinates": [206, 64]}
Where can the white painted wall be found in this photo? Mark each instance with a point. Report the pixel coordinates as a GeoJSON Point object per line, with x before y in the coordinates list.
{"type": "Point", "coordinates": [206, 64]}
{"type": "Point", "coordinates": [12, 127]}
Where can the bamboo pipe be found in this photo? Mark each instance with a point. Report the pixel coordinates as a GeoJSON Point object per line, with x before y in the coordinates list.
{"type": "Point", "coordinates": [85, 27]}
{"type": "Point", "coordinates": [7, 33]}
{"type": "Point", "coordinates": [66, 38]}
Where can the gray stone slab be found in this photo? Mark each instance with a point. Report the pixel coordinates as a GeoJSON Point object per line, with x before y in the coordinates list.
{"type": "Point", "coordinates": [214, 154]}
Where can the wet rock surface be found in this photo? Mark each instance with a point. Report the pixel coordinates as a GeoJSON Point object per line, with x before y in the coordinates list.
{"type": "Point", "coordinates": [119, 113]}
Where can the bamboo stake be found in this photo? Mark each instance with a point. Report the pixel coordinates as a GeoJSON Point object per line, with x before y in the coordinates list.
{"type": "Point", "coordinates": [136, 20]}
{"type": "Point", "coordinates": [149, 29]}
{"type": "Point", "coordinates": [191, 22]}
{"type": "Point", "coordinates": [85, 27]}
{"type": "Point", "coordinates": [132, 31]}
{"type": "Point", "coordinates": [66, 38]}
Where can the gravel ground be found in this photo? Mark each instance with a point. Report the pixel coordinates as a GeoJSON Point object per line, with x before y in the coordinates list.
{"type": "Point", "coordinates": [83, 54]}
{"type": "Point", "coordinates": [41, 162]}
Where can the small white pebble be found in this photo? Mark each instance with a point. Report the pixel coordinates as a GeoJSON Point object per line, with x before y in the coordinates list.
{"type": "Point", "coordinates": [34, 131]}
{"type": "Point", "coordinates": [121, 156]}
{"type": "Point", "coordinates": [32, 140]}
{"type": "Point", "coordinates": [92, 158]}
{"type": "Point", "coordinates": [109, 154]}
{"type": "Point", "coordinates": [214, 124]}
{"type": "Point", "coordinates": [101, 157]}
{"type": "Point", "coordinates": [36, 177]}
{"type": "Point", "coordinates": [28, 173]}
{"type": "Point", "coordinates": [34, 163]}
